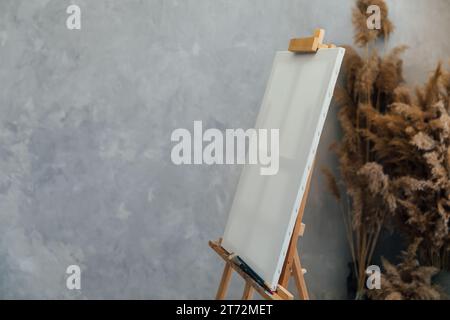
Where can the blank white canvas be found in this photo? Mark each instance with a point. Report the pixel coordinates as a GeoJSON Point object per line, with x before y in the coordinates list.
{"type": "Point", "coordinates": [265, 208]}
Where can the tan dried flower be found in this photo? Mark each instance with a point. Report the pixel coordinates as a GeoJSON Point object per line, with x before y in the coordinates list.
{"type": "Point", "coordinates": [366, 77]}
{"type": "Point", "coordinates": [423, 141]}
{"type": "Point", "coordinates": [391, 71]}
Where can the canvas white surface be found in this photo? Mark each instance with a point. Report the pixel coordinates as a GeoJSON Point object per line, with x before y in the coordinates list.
{"type": "Point", "coordinates": [264, 208]}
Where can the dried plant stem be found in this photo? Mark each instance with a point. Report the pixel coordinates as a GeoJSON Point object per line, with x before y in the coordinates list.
{"type": "Point", "coordinates": [369, 239]}
{"type": "Point", "coordinates": [375, 241]}
{"type": "Point", "coordinates": [368, 89]}
{"type": "Point", "coordinates": [346, 215]}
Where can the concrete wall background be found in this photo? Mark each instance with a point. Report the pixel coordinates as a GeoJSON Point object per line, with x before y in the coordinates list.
{"type": "Point", "coordinates": [85, 124]}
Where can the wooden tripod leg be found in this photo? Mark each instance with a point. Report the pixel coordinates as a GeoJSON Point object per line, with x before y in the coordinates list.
{"type": "Point", "coordinates": [297, 272]}
{"type": "Point", "coordinates": [248, 291]}
{"type": "Point", "coordinates": [224, 282]}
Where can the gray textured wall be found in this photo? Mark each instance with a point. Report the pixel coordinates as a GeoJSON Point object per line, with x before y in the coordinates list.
{"type": "Point", "coordinates": [85, 124]}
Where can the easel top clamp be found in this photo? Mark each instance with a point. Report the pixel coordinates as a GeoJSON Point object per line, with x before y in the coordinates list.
{"type": "Point", "coordinates": [292, 265]}
{"type": "Point", "coordinates": [310, 44]}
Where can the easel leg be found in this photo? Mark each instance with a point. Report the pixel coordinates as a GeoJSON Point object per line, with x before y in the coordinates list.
{"type": "Point", "coordinates": [297, 272]}
{"type": "Point", "coordinates": [286, 273]}
{"type": "Point", "coordinates": [248, 292]}
{"type": "Point", "coordinates": [224, 282]}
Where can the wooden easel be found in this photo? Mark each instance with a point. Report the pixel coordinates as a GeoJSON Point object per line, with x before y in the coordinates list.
{"type": "Point", "coordinates": [292, 265]}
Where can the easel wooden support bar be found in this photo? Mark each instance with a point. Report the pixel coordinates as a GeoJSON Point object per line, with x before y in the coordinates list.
{"type": "Point", "coordinates": [250, 284]}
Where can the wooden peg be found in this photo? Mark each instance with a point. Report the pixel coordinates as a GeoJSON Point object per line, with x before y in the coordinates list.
{"type": "Point", "coordinates": [302, 230]}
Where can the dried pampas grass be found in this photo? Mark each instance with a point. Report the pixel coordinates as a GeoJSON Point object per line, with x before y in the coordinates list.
{"type": "Point", "coordinates": [394, 155]}
{"type": "Point", "coordinates": [408, 280]}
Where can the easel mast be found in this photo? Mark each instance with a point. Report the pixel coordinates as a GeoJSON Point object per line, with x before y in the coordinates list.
{"type": "Point", "coordinates": [292, 265]}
